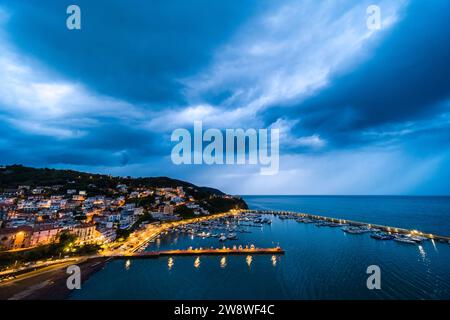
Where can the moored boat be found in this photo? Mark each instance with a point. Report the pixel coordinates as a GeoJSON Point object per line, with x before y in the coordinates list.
{"type": "Point", "coordinates": [382, 236]}
{"type": "Point", "coordinates": [353, 230]}
{"type": "Point", "coordinates": [403, 239]}
{"type": "Point", "coordinates": [232, 236]}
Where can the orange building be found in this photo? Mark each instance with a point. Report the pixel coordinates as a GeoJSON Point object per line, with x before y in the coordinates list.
{"type": "Point", "coordinates": [44, 234]}
{"type": "Point", "coordinates": [15, 238]}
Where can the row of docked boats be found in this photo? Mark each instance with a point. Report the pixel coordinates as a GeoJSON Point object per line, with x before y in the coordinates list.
{"type": "Point", "coordinates": [230, 236]}
{"type": "Point", "coordinates": [320, 223]}
{"type": "Point", "coordinates": [375, 233]}
{"type": "Point", "coordinates": [403, 238]}
{"type": "Point", "coordinates": [379, 235]}
{"type": "Point", "coordinates": [358, 229]}
{"type": "Point", "coordinates": [225, 228]}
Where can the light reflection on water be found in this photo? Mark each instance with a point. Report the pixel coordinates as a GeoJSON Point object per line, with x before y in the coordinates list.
{"type": "Point", "coordinates": [434, 245]}
{"type": "Point", "coordinates": [197, 262]}
{"type": "Point", "coordinates": [170, 263]}
{"type": "Point", "coordinates": [249, 260]}
{"type": "Point", "coordinates": [223, 262]}
{"type": "Point", "coordinates": [312, 255]}
{"type": "Point", "coordinates": [274, 260]}
{"type": "Point", "coordinates": [422, 252]}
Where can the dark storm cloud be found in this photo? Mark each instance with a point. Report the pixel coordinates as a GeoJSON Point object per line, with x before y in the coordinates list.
{"type": "Point", "coordinates": [108, 144]}
{"type": "Point", "coordinates": [107, 97]}
{"type": "Point", "coordinates": [135, 50]}
{"type": "Point", "coordinates": [405, 79]}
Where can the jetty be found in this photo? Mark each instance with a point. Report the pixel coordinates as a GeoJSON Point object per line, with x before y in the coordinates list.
{"type": "Point", "coordinates": [384, 228]}
{"type": "Point", "coordinates": [200, 251]}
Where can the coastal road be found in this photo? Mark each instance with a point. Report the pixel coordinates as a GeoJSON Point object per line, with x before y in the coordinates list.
{"type": "Point", "coordinates": [48, 283]}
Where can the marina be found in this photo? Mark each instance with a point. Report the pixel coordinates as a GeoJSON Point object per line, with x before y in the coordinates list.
{"type": "Point", "coordinates": [356, 227]}
{"type": "Point", "coordinates": [315, 251]}
{"type": "Point", "coordinates": [228, 227]}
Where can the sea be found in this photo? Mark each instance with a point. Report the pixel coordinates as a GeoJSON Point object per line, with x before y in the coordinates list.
{"type": "Point", "coordinates": [319, 262]}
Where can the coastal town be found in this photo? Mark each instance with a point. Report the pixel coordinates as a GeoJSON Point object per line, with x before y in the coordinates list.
{"type": "Point", "coordinates": [53, 219]}
{"type": "Point", "coordinates": [33, 216]}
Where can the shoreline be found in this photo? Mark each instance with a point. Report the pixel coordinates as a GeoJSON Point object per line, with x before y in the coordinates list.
{"type": "Point", "coordinates": [49, 284]}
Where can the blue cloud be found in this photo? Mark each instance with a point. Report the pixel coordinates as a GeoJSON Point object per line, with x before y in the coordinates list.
{"type": "Point", "coordinates": [136, 51]}
{"type": "Point", "coordinates": [349, 102]}
{"type": "Point", "coordinates": [405, 79]}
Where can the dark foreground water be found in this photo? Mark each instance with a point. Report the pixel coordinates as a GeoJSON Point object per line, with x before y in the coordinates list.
{"type": "Point", "coordinates": [320, 263]}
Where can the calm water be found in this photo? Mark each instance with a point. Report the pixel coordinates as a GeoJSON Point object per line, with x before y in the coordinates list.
{"type": "Point", "coordinates": [320, 263]}
{"type": "Point", "coordinates": [428, 214]}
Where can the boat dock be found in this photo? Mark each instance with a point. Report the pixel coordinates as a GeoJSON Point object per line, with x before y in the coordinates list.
{"type": "Point", "coordinates": [198, 252]}
{"type": "Point", "coordinates": [387, 229]}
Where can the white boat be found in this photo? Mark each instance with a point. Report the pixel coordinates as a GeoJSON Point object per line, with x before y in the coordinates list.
{"type": "Point", "coordinates": [204, 234]}
{"type": "Point", "coordinates": [353, 230]}
{"type": "Point", "coordinates": [232, 236]}
{"type": "Point", "coordinates": [222, 237]}
{"type": "Point", "coordinates": [404, 240]}
{"type": "Point", "coordinates": [417, 239]}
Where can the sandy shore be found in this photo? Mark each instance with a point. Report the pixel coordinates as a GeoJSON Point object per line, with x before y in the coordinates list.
{"type": "Point", "coordinates": [48, 283]}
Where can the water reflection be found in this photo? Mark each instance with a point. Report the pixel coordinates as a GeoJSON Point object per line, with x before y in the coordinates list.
{"type": "Point", "coordinates": [434, 245]}
{"type": "Point", "coordinates": [197, 262]}
{"type": "Point", "coordinates": [422, 252]}
{"type": "Point", "coordinates": [274, 260]}
{"type": "Point", "coordinates": [127, 264]}
{"type": "Point", "coordinates": [170, 263]}
{"type": "Point", "coordinates": [249, 260]}
{"type": "Point", "coordinates": [223, 262]}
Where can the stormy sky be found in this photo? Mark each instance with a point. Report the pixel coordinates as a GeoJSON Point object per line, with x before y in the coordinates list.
{"type": "Point", "coordinates": [360, 111]}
